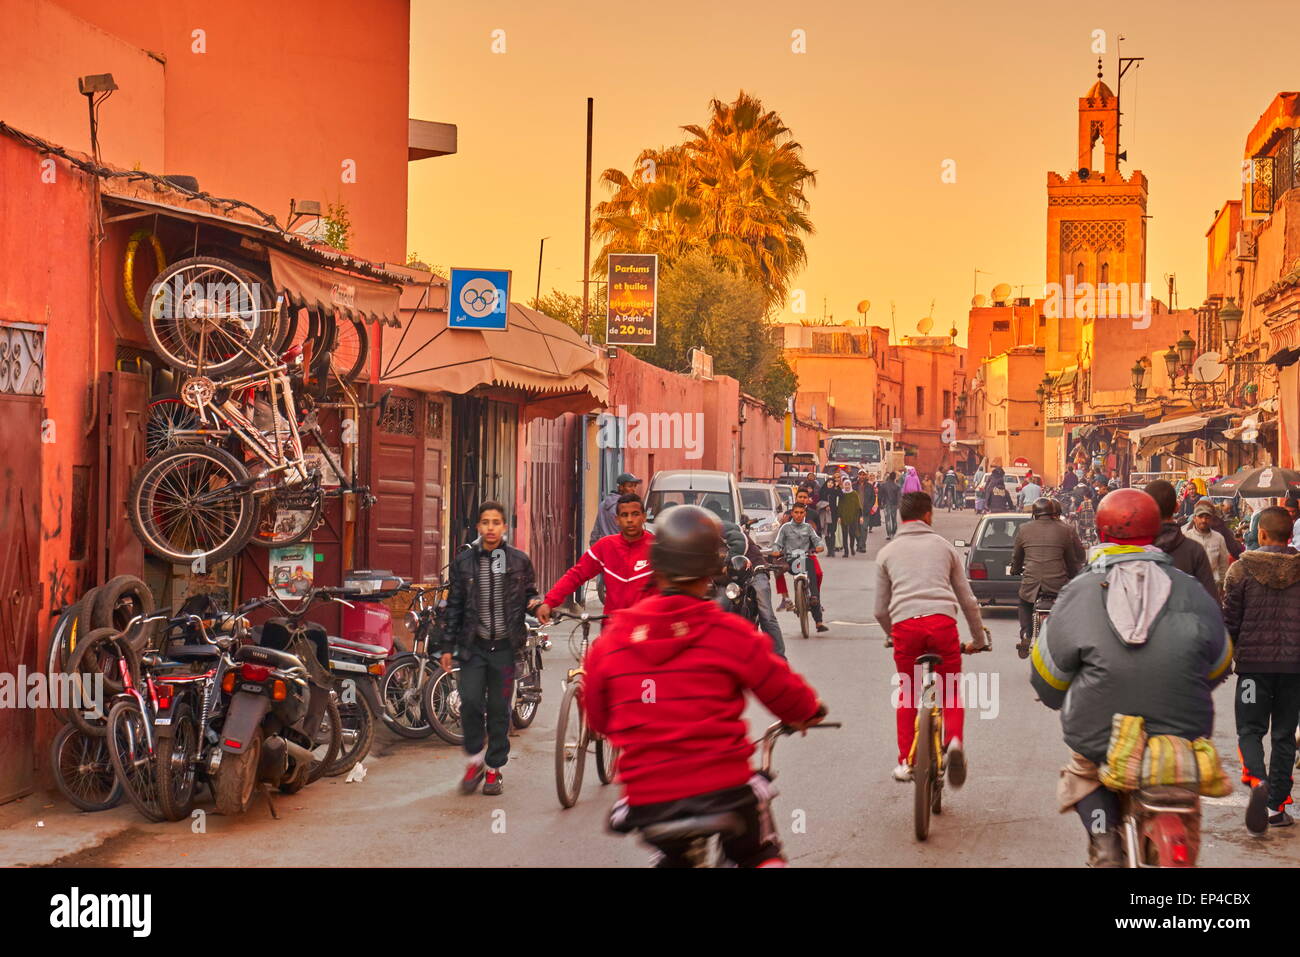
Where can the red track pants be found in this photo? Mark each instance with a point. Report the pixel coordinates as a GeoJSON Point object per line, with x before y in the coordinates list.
{"type": "Point", "coordinates": [912, 638]}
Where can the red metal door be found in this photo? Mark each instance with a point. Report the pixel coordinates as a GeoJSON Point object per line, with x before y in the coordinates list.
{"type": "Point", "coordinates": [123, 398]}
{"type": "Point", "coordinates": [20, 525]}
{"type": "Point", "coordinates": [551, 465]}
{"type": "Point", "coordinates": [432, 481]}
{"type": "Point", "coordinates": [395, 518]}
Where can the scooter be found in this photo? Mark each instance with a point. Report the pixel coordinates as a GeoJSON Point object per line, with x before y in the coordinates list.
{"type": "Point", "coordinates": [1160, 827]}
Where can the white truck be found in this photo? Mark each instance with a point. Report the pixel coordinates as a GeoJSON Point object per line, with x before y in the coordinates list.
{"type": "Point", "coordinates": [869, 449]}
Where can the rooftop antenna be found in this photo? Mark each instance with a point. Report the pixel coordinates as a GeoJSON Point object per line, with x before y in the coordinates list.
{"type": "Point", "coordinates": [1121, 67]}
{"type": "Point", "coordinates": [892, 324]}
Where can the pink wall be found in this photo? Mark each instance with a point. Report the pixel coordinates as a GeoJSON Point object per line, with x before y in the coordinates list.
{"type": "Point", "coordinates": [284, 93]}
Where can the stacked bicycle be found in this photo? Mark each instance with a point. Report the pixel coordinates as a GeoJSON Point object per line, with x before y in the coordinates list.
{"type": "Point", "coordinates": [236, 455]}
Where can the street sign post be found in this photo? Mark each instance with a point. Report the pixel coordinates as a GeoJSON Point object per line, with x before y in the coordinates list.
{"type": "Point", "coordinates": [633, 310]}
{"type": "Point", "coordinates": [478, 299]}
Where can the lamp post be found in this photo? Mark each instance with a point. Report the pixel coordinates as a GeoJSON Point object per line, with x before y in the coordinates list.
{"type": "Point", "coordinates": [1139, 373]}
{"type": "Point", "coordinates": [1230, 315]}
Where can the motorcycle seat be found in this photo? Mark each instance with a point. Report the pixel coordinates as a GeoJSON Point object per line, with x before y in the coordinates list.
{"type": "Point", "coordinates": [1167, 795]}
{"type": "Point", "coordinates": [267, 656]}
{"type": "Point", "coordinates": [358, 647]}
{"type": "Point", "coordinates": [725, 825]}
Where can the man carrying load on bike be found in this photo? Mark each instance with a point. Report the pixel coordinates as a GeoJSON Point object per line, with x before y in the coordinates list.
{"type": "Point", "coordinates": [624, 559]}
{"type": "Point", "coordinates": [800, 536]}
{"type": "Point", "coordinates": [491, 589]}
{"type": "Point", "coordinates": [1047, 554]}
{"type": "Point", "coordinates": [801, 497]}
{"type": "Point", "coordinates": [666, 684]}
{"type": "Point", "coordinates": [920, 585]}
{"type": "Point", "coordinates": [1131, 635]}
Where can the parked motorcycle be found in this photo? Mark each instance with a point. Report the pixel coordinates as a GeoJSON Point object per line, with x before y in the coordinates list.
{"type": "Point", "coordinates": [282, 726]}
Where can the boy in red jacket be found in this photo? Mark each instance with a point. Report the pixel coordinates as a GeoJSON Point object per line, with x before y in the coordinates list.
{"type": "Point", "coordinates": [624, 558]}
{"type": "Point", "coordinates": [666, 684]}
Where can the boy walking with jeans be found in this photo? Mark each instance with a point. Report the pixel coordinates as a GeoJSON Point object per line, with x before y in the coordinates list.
{"type": "Point", "coordinates": [492, 588]}
{"type": "Point", "coordinates": [1261, 609]}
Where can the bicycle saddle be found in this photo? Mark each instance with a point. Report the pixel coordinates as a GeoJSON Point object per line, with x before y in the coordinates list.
{"type": "Point", "coordinates": [358, 647]}
{"type": "Point", "coordinates": [930, 658]}
{"type": "Point", "coordinates": [727, 824]}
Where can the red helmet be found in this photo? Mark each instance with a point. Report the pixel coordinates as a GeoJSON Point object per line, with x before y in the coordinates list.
{"type": "Point", "coordinates": [1127, 514]}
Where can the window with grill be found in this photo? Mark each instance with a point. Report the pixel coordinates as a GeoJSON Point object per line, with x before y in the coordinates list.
{"type": "Point", "coordinates": [1283, 165]}
{"type": "Point", "coordinates": [947, 403]}
{"type": "Point", "coordinates": [22, 359]}
{"type": "Point", "coordinates": [1261, 185]}
{"type": "Point", "coordinates": [1001, 325]}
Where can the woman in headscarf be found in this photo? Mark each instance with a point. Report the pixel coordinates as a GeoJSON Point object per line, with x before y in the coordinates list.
{"type": "Point", "coordinates": [850, 514]}
{"type": "Point", "coordinates": [911, 481]}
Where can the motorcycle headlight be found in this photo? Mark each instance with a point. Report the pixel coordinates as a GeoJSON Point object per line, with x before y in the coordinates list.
{"type": "Point", "coordinates": [732, 591]}
{"type": "Point", "coordinates": [412, 621]}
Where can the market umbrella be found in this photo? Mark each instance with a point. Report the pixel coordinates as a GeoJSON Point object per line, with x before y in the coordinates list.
{"type": "Point", "coordinates": [1267, 482]}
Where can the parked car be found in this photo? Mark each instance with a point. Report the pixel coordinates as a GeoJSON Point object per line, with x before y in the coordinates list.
{"type": "Point", "coordinates": [988, 560]}
{"type": "Point", "coordinates": [713, 490]}
{"type": "Point", "coordinates": [760, 502]}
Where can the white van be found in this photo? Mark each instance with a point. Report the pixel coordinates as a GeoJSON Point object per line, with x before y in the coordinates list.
{"type": "Point", "coordinates": [715, 491]}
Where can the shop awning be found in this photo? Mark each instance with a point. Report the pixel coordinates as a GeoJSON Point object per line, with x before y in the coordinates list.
{"type": "Point", "coordinates": [319, 287]}
{"type": "Point", "coordinates": [536, 354]}
{"type": "Point", "coordinates": [1182, 425]}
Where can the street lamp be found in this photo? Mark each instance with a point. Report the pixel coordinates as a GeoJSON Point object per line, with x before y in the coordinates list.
{"type": "Point", "coordinates": [1186, 347]}
{"type": "Point", "coordinates": [1230, 316]}
{"type": "Point", "coordinates": [1139, 373]}
{"type": "Point", "coordinates": [1171, 365]}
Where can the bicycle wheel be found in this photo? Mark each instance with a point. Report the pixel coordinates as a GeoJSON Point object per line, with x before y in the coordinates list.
{"type": "Point", "coordinates": [165, 415]}
{"type": "Point", "coordinates": [129, 749]}
{"type": "Point", "coordinates": [177, 764]}
{"type": "Point", "coordinates": [207, 316]}
{"type": "Point", "coordinates": [350, 349]}
{"type": "Point", "coordinates": [328, 740]}
{"type": "Point", "coordinates": [403, 694]}
{"type": "Point", "coordinates": [192, 502]}
{"type": "Point", "coordinates": [571, 737]}
{"type": "Point", "coordinates": [63, 640]}
{"type": "Point", "coordinates": [442, 706]}
{"type": "Point", "coordinates": [606, 760]}
{"type": "Point", "coordinates": [119, 601]}
{"type": "Point", "coordinates": [95, 671]}
{"type": "Point", "coordinates": [83, 769]}
{"type": "Point", "coordinates": [923, 774]}
{"type": "Point", "coordinates": [287, 516]}
{"type": "Point", "coordinates": [801, 605]}
{"type": "Point", "coordinates": [528, 694]}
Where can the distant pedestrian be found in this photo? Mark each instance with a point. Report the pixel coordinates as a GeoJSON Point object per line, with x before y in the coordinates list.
{"type": "Point", "coordinates": [890, 493]}
{"type": "Point", "coordinates": [1216, 548]}
{"type": "Point", "coordinates": [1188, 556]}
{"type": "Point", "coordinates": [1262, 613]}
{"type": "Point", "coordinates": [850, 515]}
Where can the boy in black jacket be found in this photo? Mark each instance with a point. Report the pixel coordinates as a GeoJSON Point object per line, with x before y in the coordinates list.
{"type": "Point", "coordinates": [492, 588]}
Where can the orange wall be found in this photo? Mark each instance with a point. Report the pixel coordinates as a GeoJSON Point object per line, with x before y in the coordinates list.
{"type": "Point", "coordinates": [283, 95]}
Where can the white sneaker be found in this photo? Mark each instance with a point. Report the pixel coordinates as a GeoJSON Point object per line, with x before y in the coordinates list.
{"type": "Point", "coordinates": [903, 774]}
{"type": "Point", "coordinates": [955, 761]}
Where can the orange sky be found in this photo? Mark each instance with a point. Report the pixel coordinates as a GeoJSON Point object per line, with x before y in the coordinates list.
{"type": "Point", "coordinates": [885, 94]}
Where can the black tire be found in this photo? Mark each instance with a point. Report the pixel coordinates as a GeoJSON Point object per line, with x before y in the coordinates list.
{"type": "Point", "coordinates": [403, 695]}
{"type": "Point", "coordinates": [178, 753]}
{"type": "Point", "coordinates": [119, 600]}
{"type": "Point", "coordinates": [328, 738]}
{"type": "Point", "coordinates": [278, 524]}
{"type": "Point", "coordinates": [99, 653]}
{"type": "Point", "coordinates": [63, 640]}
{"type": "Point", "coordinates": [801, 605]}
{"type": "Point", "coordinates": [442, 706]}
{"type": "Point", "coordinates": [164, 416]}
{"type": "Point", "coordinates": [357, 734]}
{"type": "Point", "coordinates": [571, 738]}
{"type": "Point", "coordinates": [350, 349]}
{"type": "Point", "coordinates": [523, 713]}
{"type": "Point", "coordinates": [606, 760]}
{"type": "Point", "coordinates": [243, 322]}
{"type": "Point", "coordinates": [199, 466]}
{"type": "Point", "coordinates": [236, 779]}
{"type": "Point", "coordinates": [83, 769]}
{"type": "Point", "coordinates": [129, 749]}
{"type": "Point", "coordinates": [923, 774]}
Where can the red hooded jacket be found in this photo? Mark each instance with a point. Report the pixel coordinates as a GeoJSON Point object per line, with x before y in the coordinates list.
{"type": "Point", "coordinates": [628, 575]}
{"type": "Point", "coordinates": [666, 682]}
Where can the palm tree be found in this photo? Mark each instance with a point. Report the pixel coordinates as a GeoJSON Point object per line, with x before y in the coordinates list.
{"type": "Point", "coordinates": [735, 190]}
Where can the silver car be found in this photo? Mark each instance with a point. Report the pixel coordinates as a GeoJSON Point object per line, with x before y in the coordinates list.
{"type": "Point", "coordinates": [760, 502]}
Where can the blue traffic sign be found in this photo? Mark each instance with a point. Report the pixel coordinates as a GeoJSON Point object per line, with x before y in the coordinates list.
{"type": "Point", "coordinates": [478, 298]}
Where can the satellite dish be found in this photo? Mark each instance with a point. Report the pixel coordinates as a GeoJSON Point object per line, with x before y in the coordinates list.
{"type": "Point", "coordinates": [978, 301]}
{"type": "Point", "coordinates": [1002, 292]}
{"type": "Point", "coordinates": [864, 306]}
{"type": "Point", "coordinates": [1207, 368]}
{"type": "Point", "coordinates": [925, 325]}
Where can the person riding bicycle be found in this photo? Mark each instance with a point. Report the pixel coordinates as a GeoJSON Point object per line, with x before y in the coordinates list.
{"type": "Point", "coordinates": [666, 684]}
{"type": "Point", "coordinates": [1131, 635]}
{"type": "Point", "coordinates": [950, 487]}
{"type": "Point", "coordinates": [799, 537]}
{"type": "Point", "coordinates": [1047, 554]}
{"type": "Point", "coordinates": [920, 585]}
{"type": "Point", "coordinates": [801, 497]}
{"type": "Point", "coordinates": [624, 560]}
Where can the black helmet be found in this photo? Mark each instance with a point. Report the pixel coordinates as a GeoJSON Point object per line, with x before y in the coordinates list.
{"type": "Point", "coordinates": [1047, 506]}
{"type": "Point", "coordinates": [688, 544]}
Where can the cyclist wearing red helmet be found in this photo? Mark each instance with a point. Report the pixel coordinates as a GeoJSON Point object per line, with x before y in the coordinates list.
{"type": "Point", "coordinates": [1129, 635]}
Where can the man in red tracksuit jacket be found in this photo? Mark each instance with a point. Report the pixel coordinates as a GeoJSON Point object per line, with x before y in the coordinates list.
{"type": "Point", "coordinates": [666, 684]}
{"type": "Point", "coordinates": [624, 558]}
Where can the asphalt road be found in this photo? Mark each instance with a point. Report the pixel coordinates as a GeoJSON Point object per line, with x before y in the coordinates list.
{"type": "Point", "coordinates": [838, 805]}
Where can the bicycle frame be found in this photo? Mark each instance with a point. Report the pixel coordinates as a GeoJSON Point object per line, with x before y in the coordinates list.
{"type": "Point", "coordinates": [929, 702]}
